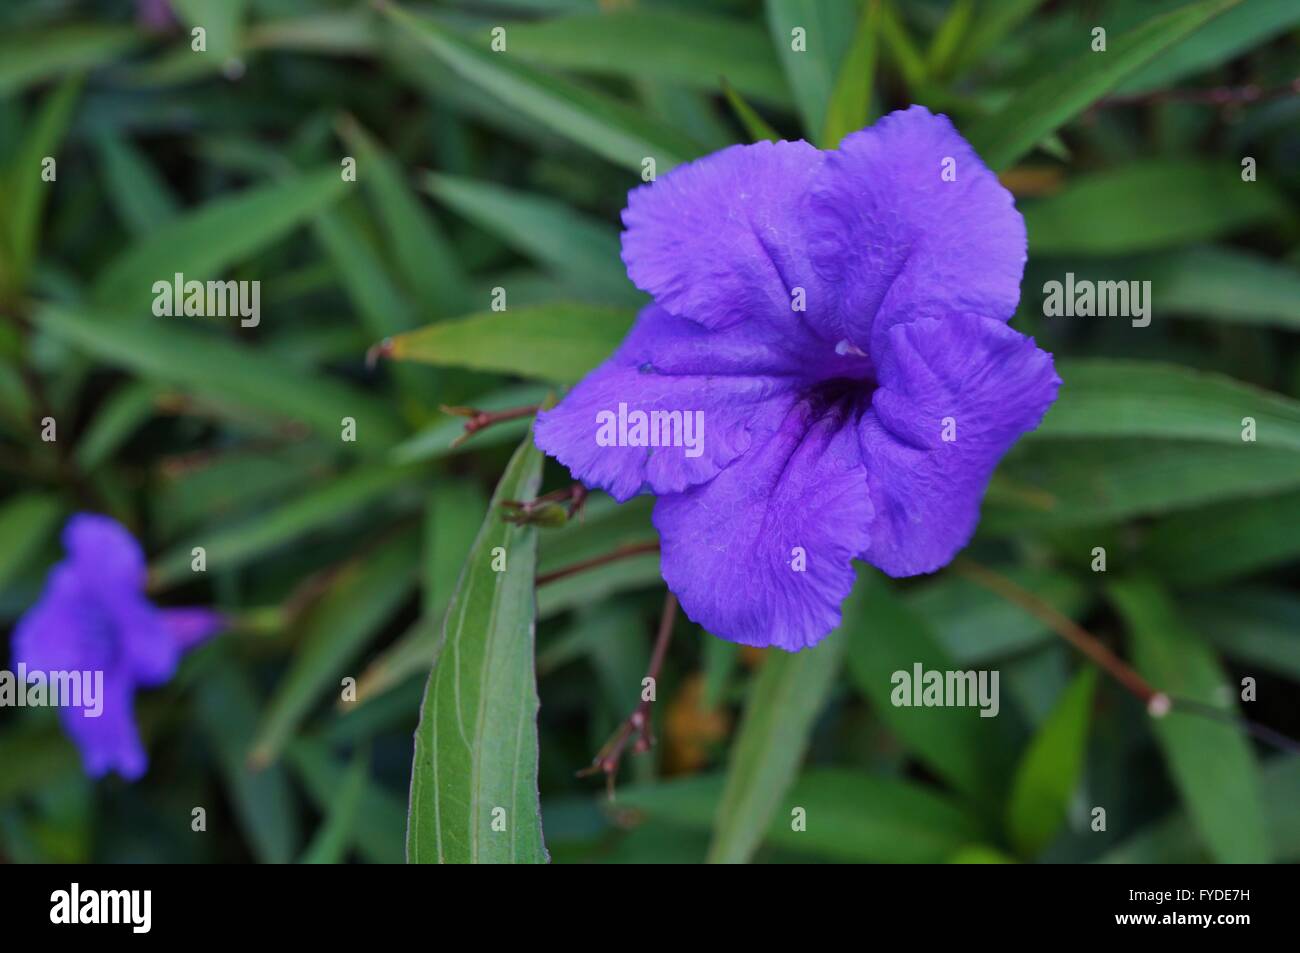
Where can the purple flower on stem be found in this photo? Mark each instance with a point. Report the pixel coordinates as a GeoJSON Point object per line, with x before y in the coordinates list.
{"type": "Point", "coordinates": [840, 318]}
{"type": "Point", "coordinates": [93, 617]}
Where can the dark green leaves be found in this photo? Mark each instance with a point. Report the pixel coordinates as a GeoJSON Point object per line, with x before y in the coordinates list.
{"type": "Point", "coordinates": [1066, 89]}
{"type": "Point", "coordinates": [474, 776]}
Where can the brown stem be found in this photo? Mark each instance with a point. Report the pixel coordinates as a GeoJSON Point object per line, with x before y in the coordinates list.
{"type": "Point", "coordinates": [638, 724]}
{"type": "Point", "coordinates": [623, 552]}
{"type": "Point", "coordinates": [1157, 703]}
{"type": "Point", "coordinates": [1217, 96]}
{"type": "Point", "coordinates": [479, 419]}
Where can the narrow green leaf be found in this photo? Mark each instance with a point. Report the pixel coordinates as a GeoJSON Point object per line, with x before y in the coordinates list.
{"type": "Point", "coordinates": [811, 38]}
{"type": "Point", "coordinates": [1254, 625]}
{"type": "Point", "coordinates": [970, 751]}
{"type": "Point", "coordinates": [141, 196]}
{"type": "Point", "coordinates": [27, 524]}
{"type": "Point", "coordinates": [33, 56]}
{"type": "Point", "coordinates": [121, 415]}
{"type": "Point", "coordinates": [553, 342]}
{"type": "Point", "coordinates": [950, 37]}
{"type": "Point", "coordinates": [229, 546]}
{"type": "Point", "coordinates": [1120, 398]}
{"type": "Point", "coordinates": [25, 184]}
{"type": "Point", "coordinates": [755, 125]}
{"type": "Point", "coordinates": [788, 693]}
{"type": "Point", "coordinates": [687, 48]}
{"type": "Point", "coordinates": [330, 845]}
{"type": "Point", "coordinates": [1147, 205]}
{"type": "Point", "coordinates": [1065, 90]}
{"type": "Point", "coordinates": [475, 759]}
{"type": "Point", "coordinates": [850, 816]}
{"type": "Point", "coordinates": [1210, 762]}
{"type": "Point", "coordinates": [850, 103]}
{"type": "Point", "coordinates": [1040, 487]}
{"type": "Point", "coordinates": [543, 229]}
{"type": "Point", "coordinates": [608, 127]}
{"type": "Point", "coordinates": [227, 708]}
{"type": "Point", "coordinates": [377, 831]}
{"type": "Point", "coordinates": [1223, 542]}
{"type": "Point", "coordinates": [221, 20]}
{"type": "Point", "coordinates": [422, 252]}
{"type": "Point", "coordinates": [207, 364]}
{"type": "Point", "coordinates": [357, 604]}
{"type": "Point", "coordinates": [203, 243]}
{"type": "Point", "coordinates": [1050, 769]}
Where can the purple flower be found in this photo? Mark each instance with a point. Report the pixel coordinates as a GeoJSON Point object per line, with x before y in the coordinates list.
{"type": "Point", "coordinates": [839, 317]}
{"type": "Point", "coordinates": [93, 617]}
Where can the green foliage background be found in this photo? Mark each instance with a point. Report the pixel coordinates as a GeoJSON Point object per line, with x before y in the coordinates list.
{"type": "Point", "coordinates": [480, 170]}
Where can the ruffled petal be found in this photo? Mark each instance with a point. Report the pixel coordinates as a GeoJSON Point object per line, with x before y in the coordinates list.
{"type": "Point", "coordinates": [954, 395]}
{"type": "Point", "coordinates": [104, 552]}
{"type": "Point", "coordinates": [731, 387]}
{"type": "Point", "coordinates": [762, 554]}
{"type": "Point", "coordinates": [899, 232]}
{"type": "Point", "coordinates": [722, 240]}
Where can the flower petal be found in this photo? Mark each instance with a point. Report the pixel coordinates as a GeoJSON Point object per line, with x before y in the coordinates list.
{"type": "Point", "coordinates": [721, 240]}
{"type": "Point", "coordinates": [111, 741]}
{"type": "Point", "coordinates": [982, 383]}
{"type": "Point", "coordinates": [104, 552]}
{"type": "Point", "coordinates": [739, 381]}
{"type": "Point", "coordinates": [896, 238]}
{"type": "Point", "coordinates": [189, 627]}
{"type": "Point", "coordinates": [762, 554]}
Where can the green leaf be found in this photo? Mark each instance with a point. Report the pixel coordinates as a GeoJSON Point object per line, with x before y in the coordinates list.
{"type": "Point", "coordinates": [27, 523]}
{"type": "Point", "coordinates": [222, 22]}
{"type": "Point", "coordinates": [422, 253]}
{"type": "Point", "coordinates": [1244, 28]}
{"type": "Point", "coordinates": [141, 197]}
{"type": "Point", "coordinates": [1142, 206]}
{"type": "Point", "coordinates": [812, 58]}
{"type": "Point", "coordinates": [610, 128]}
{"type": "Point", "coordinates": [330, 845]}
{"type": "Point", "coordinates": [1253, 625]}
{"type": "Point", "coordinates": [121, 415]}
{"type": "Point", "coordinates": [37, 55]}
{"type": "Point", "coordinates": [543, 229]}
{"type": "Point", "coordinates": [476, 744]}
{"type": "Point", "coordinates": [755, 125]}
{"type": "Point", "coordinates": [195, 360]}
{"type": "Point", "coordinates": [363, 597]}
{"type": "Point", "coordinates": [970, 752]}
{"type": "Point", "coordinates": [1209, 282]}
{"type": "Point", "coordinates": [849, 108]}
{"type": "Point", "coordinates": [551, 342]}
{"type": "Point", "coordinates": [229, 547]}
{"type": "Point", "coordinates": [1173, 840]}
{"type": "Point", "coordinates": [1120, 398]}
{"type": "Point", "coordinates": [850, 816]}
{"type": "Point", "coordinates": [1039, 487]}
{"type": "Point", "coordinates": [687, 48]}
{"type": "Point", "coordinates": [203, 243]}
{"type": "Point", "coordinates": [377, 830]}
{"type": "Point", "coordinates": [1210, 761]}
{"type": "Point", "coordinates": [1050, 769]}
{"type": "Point", "coordinates": [27, 190]}
{"type": "Point", "coordinates": [1220, 543]}
{"type": "Point", "coordinates": [1067, 89]}
{"type": "Point", "coordinates": [227, 708]}
{"type": "Point", "coordinates": [788, 693]}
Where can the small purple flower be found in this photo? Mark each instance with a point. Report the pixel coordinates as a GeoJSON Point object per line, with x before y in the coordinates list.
{"type": "Point", "coordinates": [93, 617]}
{"type": "Point", "coordinates": [840, 319]}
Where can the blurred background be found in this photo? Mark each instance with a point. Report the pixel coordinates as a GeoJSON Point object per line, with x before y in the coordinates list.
{"type": "Point", "coordinates": [482, 173]}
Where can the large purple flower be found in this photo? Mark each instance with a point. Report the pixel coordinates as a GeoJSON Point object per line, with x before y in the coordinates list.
{"type": "Point", "coordinates": [93, 617]}
{"type": "Point", "coordinates": [839, 320]}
